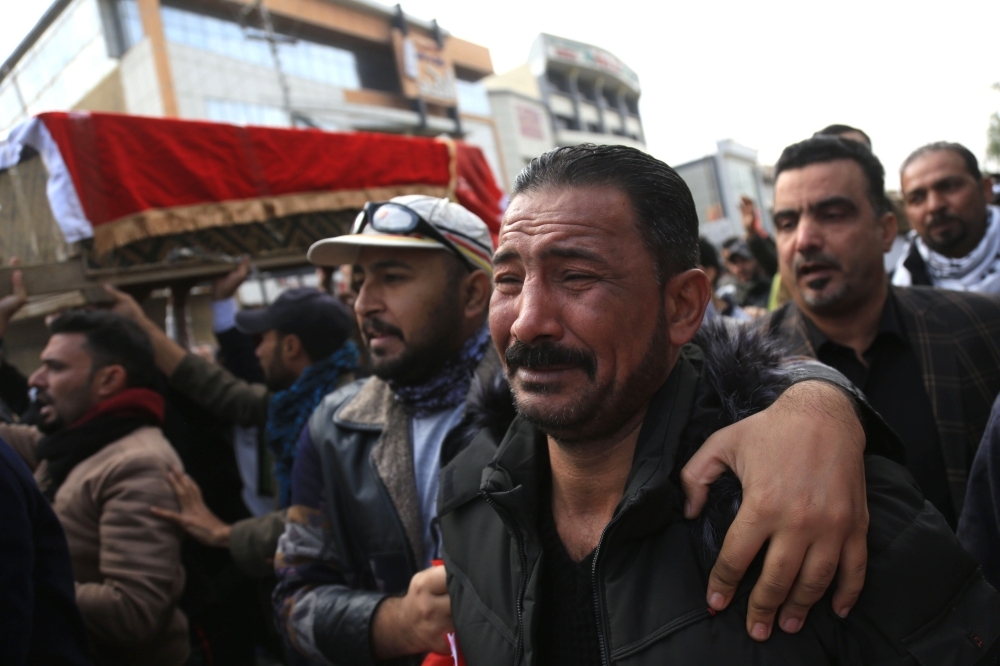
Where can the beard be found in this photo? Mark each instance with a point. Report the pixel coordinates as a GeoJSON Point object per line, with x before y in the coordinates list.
{"type": "Point", "coordinates": [54, 424]}
{"type": "Point", "coordinates": [821, 303]}
{"type": "Point", "coordinates": [56, 421]}
{"type": "Point", "coordinates": [601, 408]}
{"type": "Point", "coordinates": [425, 352]}
{"type": "Point", "coordinates": [950, 239]}
{"type": "Point", "coordinates": [277, 376]}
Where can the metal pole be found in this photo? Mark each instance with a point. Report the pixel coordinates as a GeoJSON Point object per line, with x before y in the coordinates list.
{"type": "Point", "coordinates": [272, 42]}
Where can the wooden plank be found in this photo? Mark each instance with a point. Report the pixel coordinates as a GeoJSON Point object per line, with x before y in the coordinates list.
{"type": "Point", "coordinates": [68, 276]}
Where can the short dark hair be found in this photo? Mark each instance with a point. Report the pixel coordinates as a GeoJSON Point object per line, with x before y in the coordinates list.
{"type": "Point", "coordinates": [840, 130]}
{"type": "Point", "coordinates": [112, 340]}
{"type": "Point", "coordinates": [971, 163]}
{"type": "Point", "coordinates": [661, 200]}
{"type": "Point", "coordinates": [709, 256]}
{"type": "Point", "coordinates": [827, 148]}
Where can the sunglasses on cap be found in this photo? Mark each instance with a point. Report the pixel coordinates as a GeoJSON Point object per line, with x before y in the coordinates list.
{"type": "Point", "coordinates": [389, 217]}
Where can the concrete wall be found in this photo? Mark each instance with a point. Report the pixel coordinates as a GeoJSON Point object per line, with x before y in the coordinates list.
{"type": "Point", "coordinates": [139, 83]}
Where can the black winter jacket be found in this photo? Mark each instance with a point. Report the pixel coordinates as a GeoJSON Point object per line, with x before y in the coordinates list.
{"type": "Point", "coordinates": [925, 600]}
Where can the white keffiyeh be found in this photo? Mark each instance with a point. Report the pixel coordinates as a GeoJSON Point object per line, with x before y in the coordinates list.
{"type": "Point", "coordinates": [977, 271]}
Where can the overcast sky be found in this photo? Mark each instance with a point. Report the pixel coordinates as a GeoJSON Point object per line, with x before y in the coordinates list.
{"type": "Point", "coordinates": [764, 73]}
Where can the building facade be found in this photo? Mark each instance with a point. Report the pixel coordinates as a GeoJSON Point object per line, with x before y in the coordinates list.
{"type": "Point", "coordinates": [332, 64]}
{"type": "Point", "coordinates": [566, 94]}
{"type": "Point", "coordinates": [718, 181]}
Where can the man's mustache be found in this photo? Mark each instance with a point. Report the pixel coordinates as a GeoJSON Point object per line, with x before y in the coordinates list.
{"type": "Point", "coordinates": [548, 354]}
{"type": "Point", "coordinates": [817, 259]}
{"type": "Point", "coordinates": [373, 328]}
{"type": "Point", "coordinates": [940, 217]}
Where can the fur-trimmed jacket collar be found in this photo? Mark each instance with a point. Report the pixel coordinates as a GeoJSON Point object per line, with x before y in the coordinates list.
{"type": "Point", "coordinates": [741, 373]}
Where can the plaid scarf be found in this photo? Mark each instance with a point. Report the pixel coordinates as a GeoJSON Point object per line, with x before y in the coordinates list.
{"type": "Point", "coordinates": [450, 386]}
{"type": "Point", "coordinates": [289, 410]}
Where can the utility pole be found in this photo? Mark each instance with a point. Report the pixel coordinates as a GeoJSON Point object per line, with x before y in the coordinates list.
{"type": "Point", "coordinates": [273, 39]}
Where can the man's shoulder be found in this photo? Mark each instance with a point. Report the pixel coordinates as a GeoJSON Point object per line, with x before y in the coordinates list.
{"type": "Point", "coordinates": [144, 449]}
{"type": "Point", "coordinates": [332, 403]}
{"type": "Point", "coordinates": [949, 305]}
{"type": "Point", "coordinates": [781, 322]}
{"type": "Point", "coordinates": [461, 478]}
{"type": "Point", "coordinates": [921, 588]}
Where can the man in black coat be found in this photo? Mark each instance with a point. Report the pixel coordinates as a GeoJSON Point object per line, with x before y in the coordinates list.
{"type": "Point", "coordinates": [39, 621]}
{"type": "Point", "coordinates": [565, 539]}
{"type": "Point", "coordinates": [927, 359]}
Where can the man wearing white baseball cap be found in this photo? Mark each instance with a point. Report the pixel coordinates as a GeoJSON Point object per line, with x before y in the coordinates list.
{"type": "Point", "coordinates": [363, 522]}
{"type": "Point", "coordinates": [356, 583]}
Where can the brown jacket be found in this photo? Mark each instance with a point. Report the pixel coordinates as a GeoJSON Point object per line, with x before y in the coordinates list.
{"type": "Point", "coordinates": [126, 561]}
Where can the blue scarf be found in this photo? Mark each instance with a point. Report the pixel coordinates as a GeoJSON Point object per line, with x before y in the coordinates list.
{"type": "Point", "coordinates": [289, 410]}
{"type": "Point", "coordinates": [450, 386]}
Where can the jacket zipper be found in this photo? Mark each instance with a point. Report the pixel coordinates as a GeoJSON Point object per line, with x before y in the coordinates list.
{"type": "Point", "coordinates": [605, 661]}
{"type": "Point", "coordinates": [508, 521]}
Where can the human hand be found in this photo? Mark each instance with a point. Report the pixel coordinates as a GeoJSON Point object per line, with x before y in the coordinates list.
{"type": "Point", "coordinates": [10, 304]}
{"type": "Point", "coordinates": [195, 517]}
{"type": "Point", "coordinates": [748, 215]}
{"type": "Point", "coordinates": [124, 305]}
{"type": "Point", "coordinates": [224, 287]}
{"type": "Point", "coordinates": [802, 468]}
{"type": "Point", "coordinates": [416, 623]}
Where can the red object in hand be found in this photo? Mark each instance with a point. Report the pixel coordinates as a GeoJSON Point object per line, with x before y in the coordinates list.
{"type": "Point", "coordinates": [453, 659]}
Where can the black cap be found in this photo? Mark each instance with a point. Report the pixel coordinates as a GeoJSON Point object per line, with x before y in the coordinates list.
{"type": "Point", "coordinates": [740, 249]}
{"type": "Point", "coordinates": [318, 319]}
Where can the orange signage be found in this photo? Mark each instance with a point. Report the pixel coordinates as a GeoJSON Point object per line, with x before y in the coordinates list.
{"type": "Point", "coordinates": [425, 71]}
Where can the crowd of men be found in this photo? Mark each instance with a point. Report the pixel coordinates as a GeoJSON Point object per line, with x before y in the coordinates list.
{"type": "Point", "coordinates": [582, 438]}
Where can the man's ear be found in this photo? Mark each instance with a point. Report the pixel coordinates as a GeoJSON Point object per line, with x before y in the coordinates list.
{"type": "Point", "coordinates": [987, 185]}
{"type": "Point", "coordinates": [890, 227]}
{"type": "Point", "coordinates": [477, 288]}
{"type": "Point", "coordinates": [685, 299]}
{"type": "Point", "coordinates": [108, 381]}
{"type": "Point", "coordinates": [291, 348]}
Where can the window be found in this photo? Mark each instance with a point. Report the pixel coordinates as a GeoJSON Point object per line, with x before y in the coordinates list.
{"type": "Point", "coordinates": [10, 105]}
{"type": "Point", "coordinates": [610, 97]}
{"type": "Point", "coordinates": [240, 113]}
{"type": "Point", "coordinates": [69, 59]}
{"type": "Point", "coordinates": [566, 123]}
{"type": "Point", "coordinates": [123, 25]}
{"type": "Point", "coordinates": [586, 88]}
{"type": "Point", "coordinates": [131, 22]}
{"type": "Point", "coordinates": [301, 58]}
{"type": "Point", "coordinates": [557, 80]}
{"type": "Point", "coordinates": [632, 104]}
{"type": "Point", "coordinates": [472, 98]}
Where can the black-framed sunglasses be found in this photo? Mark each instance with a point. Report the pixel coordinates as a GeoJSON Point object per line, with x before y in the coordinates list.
{"type": "Point", "coordinates": [390, 217]}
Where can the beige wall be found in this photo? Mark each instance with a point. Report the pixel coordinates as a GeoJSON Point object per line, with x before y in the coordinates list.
{"type": "Point", "coordinates": [138, 76]}
{"type": "Point", "coordinates": [108, 95]}
{"type": "Point", "coordinates": [524, 129]}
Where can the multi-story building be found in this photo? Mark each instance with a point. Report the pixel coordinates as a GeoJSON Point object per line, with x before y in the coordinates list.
{"type": "Point", "coordinates": [333, 64]}
{"type": "Point", "coordinates": [566, 94]}
{"type": "Point", "coordinates": [718, 181]}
